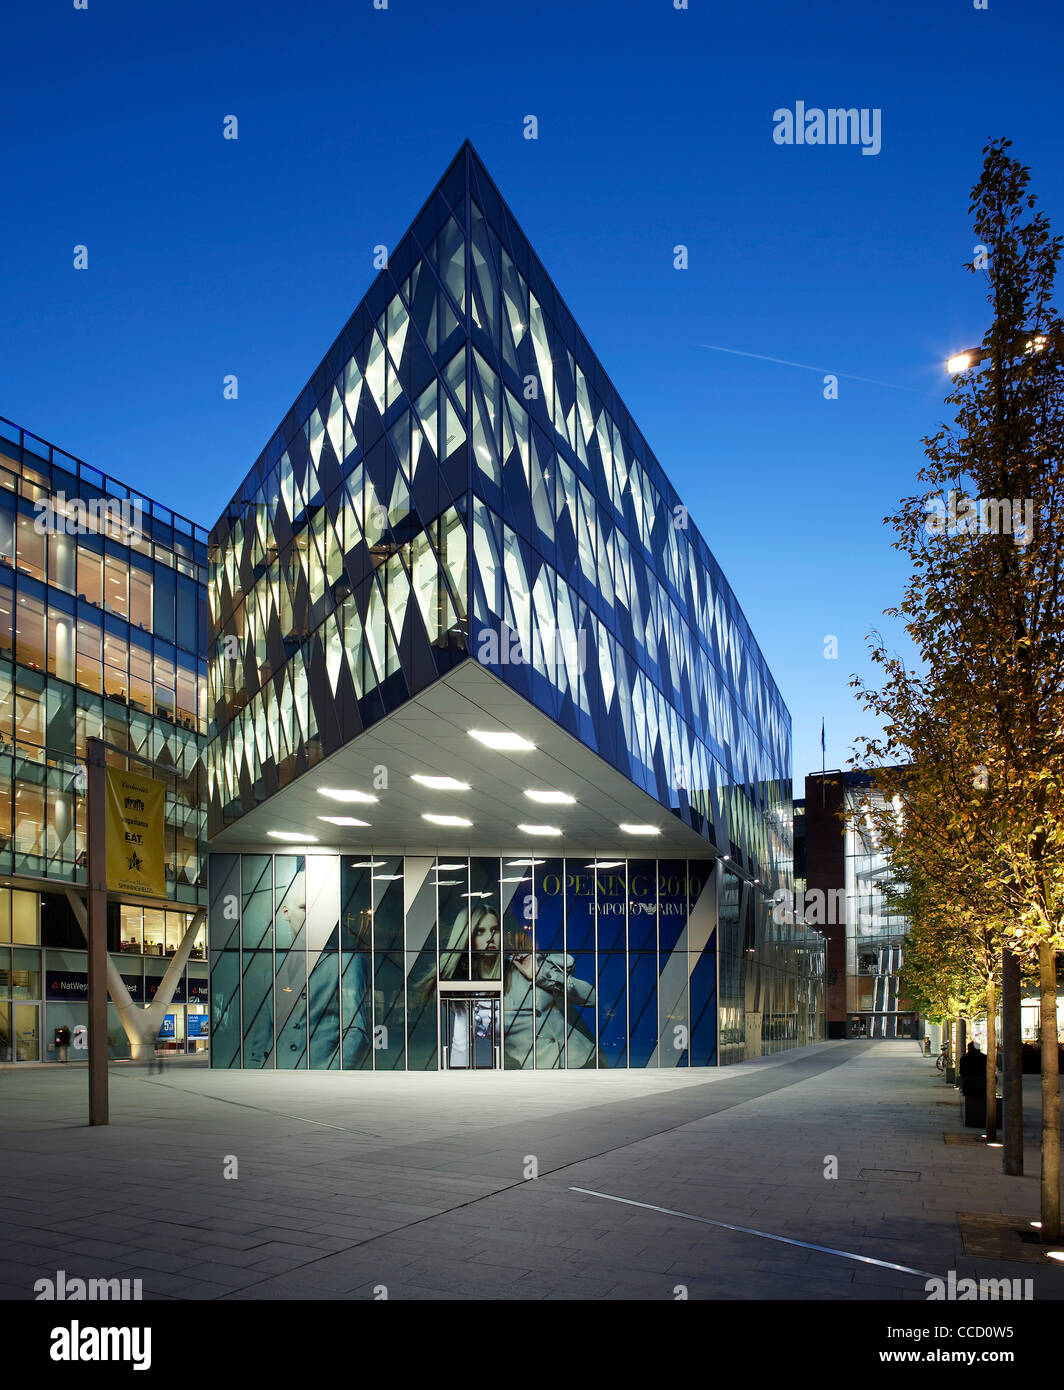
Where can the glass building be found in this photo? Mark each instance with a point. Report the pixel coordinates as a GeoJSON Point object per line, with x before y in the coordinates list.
{"type": "Point", "coordinates": [103, 619]}
{"type": "Point", "coordinates": [497, 774]}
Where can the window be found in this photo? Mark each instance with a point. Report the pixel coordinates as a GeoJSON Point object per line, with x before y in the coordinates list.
{"type": "Point", "coordinates": [90, 576]}
{"type": "Point", "coordinates": [90, 655]}
{"type": "Point", "coordinates": [116, 586]}
{"type": "Point", "coordinates": [31, 547]}
{"type": "Point", "coordinates": [29, 631]}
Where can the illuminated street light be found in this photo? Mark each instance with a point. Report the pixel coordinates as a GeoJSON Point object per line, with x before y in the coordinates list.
{"type": "Point", "coordinates": [973, 357]}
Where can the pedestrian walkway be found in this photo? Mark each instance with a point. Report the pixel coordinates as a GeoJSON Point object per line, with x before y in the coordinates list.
{"type": "Point", "coordinates": [507, 1185]}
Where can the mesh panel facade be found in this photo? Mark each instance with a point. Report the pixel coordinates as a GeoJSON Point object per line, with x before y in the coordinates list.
{"type": "Point", "coordinates": [460, 482]}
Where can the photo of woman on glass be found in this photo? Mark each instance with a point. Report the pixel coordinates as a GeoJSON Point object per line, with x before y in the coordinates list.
{"type": "Point", "coordinates": [534, 993]}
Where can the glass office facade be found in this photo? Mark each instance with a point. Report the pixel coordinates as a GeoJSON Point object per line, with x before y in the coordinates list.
{"type": "Point", "coordinates": [340, 962]}
{"type": "Point", "coordinates": [103, 619]}
{"type": "Point", "coordinates": [459, 481]}
{"type": "Point", "coordinates": [875, 931]}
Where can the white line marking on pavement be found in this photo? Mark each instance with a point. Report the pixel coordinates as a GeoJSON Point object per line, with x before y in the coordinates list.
{"type": "Point", "coordinates": [748, 1231]}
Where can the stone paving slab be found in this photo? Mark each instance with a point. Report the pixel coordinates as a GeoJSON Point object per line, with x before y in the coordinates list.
{"type": "Point", "coordinates": [417, 1182]}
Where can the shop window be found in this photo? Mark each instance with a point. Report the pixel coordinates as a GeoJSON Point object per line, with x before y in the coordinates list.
{"type": "Point", "coordinates": [25, 975]}
{"type": "Point", "coordinates": [154, 931]}
{"type": "Point", "coordinates": [131, 929]}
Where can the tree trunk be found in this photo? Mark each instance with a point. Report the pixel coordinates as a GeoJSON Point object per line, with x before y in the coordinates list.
{"type": "Point", "coordinates": [1012, 1060]}
{"type": "Point", "coordinates": [991, 1061]}
{"type": "Point", "coordinates": [1047, 988]}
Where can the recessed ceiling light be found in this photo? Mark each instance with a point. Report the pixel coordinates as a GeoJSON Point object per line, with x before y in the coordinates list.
{"type": "Point", "coordinates": [343, 820]}
{"type": "Point", "coordinates": [524, 878]}
{"type": "Point", "coordinates": [440, 784]}
{"type": "Point", "coordinates": [369, 864]}
{"type": "Point", "coordinates": [554, 798]}
{"type": "Point", "coordinates": [473, 894]}
{"type": "Point", "coordinates": [441, 868]}
{"type": "Point", "coordinates": [448, 882]}
{"type": "Point", "coordinates": [386, 878]}
{"type": "Point", "coordinates": [445, 820]}
{"type": "Point", "coordinates": [640, 829]}
{"type": "Point", "coordinates": [605, 864]}
{"type": "Point", "coordinates": [540, 829]}
{"type": "Point", "coordinates": [503, 742]}
{"type": "Point", "coordinates": [291, 835]}
{"type": "Point", "coordinates": [517, 863]}
{"type": "Point", "coordinates": [345, 794]}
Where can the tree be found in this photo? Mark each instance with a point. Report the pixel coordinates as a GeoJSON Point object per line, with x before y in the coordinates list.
{"type": "Point", "coordinates": [982, 720]}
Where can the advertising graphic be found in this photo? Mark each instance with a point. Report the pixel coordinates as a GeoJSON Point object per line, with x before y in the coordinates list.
{"type": "Point", "coordinates": [136, 860]}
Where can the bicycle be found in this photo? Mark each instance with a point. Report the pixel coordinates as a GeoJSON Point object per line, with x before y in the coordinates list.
{"type": "Point", "coordinates": [942, 1061]}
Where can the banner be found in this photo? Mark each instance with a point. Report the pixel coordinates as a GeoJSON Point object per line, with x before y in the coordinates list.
{"type": "Point", "coordinates": [135, 841]}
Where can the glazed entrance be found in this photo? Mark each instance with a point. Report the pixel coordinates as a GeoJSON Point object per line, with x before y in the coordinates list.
{"type": "Point", "coordinates": [471, 1033]}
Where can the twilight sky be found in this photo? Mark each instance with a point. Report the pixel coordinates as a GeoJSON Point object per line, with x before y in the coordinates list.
{"type": "Point", "coordinates": [209, 256]}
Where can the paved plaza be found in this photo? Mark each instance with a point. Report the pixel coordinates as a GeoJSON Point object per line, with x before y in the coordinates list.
{"type": "Point", "coordinates": [420, 1185]}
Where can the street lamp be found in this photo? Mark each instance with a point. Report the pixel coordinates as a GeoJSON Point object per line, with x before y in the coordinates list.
{"type": "Point", "coordinates": [1028, 343]}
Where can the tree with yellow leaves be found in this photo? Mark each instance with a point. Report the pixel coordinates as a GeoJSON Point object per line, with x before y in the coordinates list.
{"type": "Point", "coordinates": [981, 719]}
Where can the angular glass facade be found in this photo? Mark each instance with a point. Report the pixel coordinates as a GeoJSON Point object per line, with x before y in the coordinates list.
{"type": "Point", "coordinates": [460, 483]}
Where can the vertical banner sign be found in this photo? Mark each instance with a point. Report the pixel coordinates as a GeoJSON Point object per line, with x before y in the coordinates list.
{"type": "Point", "coordinates": [136, 860]}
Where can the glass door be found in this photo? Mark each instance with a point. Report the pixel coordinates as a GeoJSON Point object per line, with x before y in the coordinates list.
{"type": "Point", "coordinates": [27, 1033]}
{"type": "Point", "coordinates": [471, 1034]}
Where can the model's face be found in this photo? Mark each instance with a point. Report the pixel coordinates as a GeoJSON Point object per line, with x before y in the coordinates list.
{"type": "Point", "coordinates": [486, 935]}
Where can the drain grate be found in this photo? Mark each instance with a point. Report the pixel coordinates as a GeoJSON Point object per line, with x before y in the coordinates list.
{"type": "Point", "coordinates": [891, 1174]}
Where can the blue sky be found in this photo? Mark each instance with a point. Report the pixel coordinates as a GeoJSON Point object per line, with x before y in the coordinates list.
{"type": "Point", "coordinates": [209, 257]}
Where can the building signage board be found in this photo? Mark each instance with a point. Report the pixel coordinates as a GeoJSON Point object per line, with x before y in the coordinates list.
{"type": "Point", "coordinates": [74, 984]}
{"type": "Point", "coordinates": [136, 859]}
{"type": "Point", "coordinates": [153, 982]}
